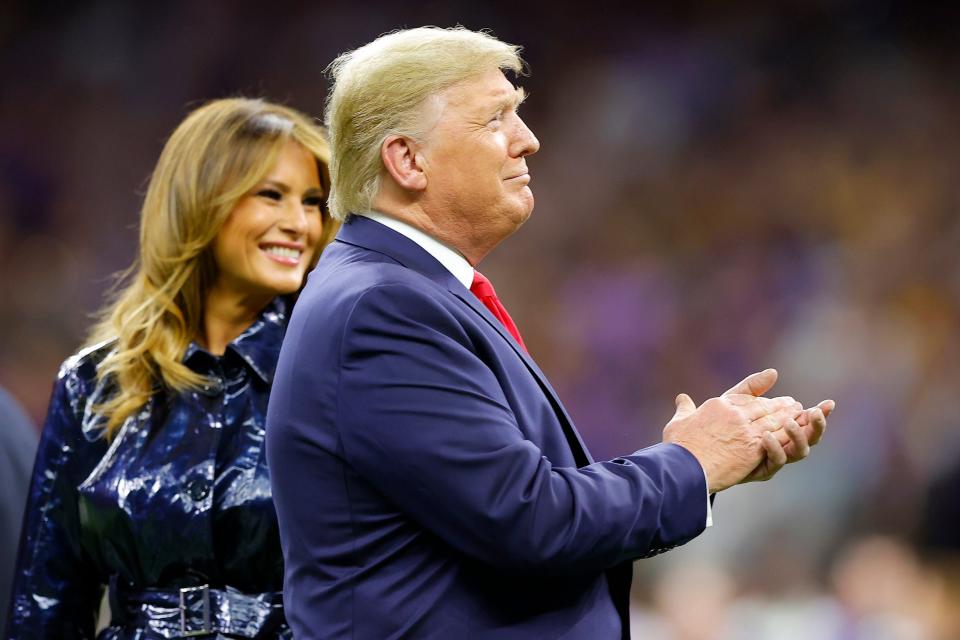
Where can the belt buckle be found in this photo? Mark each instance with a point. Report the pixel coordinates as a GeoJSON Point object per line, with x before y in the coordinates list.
{"type": "Point", "coordinates": [205, 599]}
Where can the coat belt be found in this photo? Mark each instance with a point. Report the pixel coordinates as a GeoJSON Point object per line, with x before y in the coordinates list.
{"type": "Point", "coordinates": [200, 611]}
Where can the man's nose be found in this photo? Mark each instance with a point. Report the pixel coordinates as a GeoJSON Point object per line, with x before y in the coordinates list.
{"type": "Point", "coordinates": [525, 143]}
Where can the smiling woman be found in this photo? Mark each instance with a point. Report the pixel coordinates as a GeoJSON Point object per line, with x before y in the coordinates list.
{"type": "Point", "coordinates": [266, 244]}
{"type": "Point", "coordinates": [150, 475]}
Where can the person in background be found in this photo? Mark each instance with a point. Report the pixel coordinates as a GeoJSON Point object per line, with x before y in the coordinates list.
{"type": "Point", "coordinates": [428, 481]}
{"type": "Point", "coordinates": [151, 476]}
{"type": "Point", "coordinates": [18, 445]}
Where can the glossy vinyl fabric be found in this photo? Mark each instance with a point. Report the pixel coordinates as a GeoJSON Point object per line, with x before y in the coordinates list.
{"type": "Point", "coordinates": [180, 497]}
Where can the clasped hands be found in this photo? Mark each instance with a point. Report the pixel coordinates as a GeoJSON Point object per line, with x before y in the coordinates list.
{"type": "Point", "coordinates": [744, 437]}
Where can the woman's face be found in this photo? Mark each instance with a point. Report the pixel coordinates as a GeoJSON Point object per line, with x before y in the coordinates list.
{"type": "Point", "coordinates": [269, 239]}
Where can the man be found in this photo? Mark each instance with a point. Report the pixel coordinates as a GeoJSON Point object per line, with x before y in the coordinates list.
{"type": "Point", "coordinates": [428, 481]}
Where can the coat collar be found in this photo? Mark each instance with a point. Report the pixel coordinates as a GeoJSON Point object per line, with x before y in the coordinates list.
{"type": "Point", "coordinates": [258, 345]}
{"type": "Point", "coordinates": [366, 233]}
{"type": "Point", "coordinates": [369, 234]}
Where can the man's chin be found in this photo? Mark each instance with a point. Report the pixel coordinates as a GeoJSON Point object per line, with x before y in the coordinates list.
{"type": "Point", "coordinates": [525, 207]}
{"type": "Point", "coordinates": [527, 213]}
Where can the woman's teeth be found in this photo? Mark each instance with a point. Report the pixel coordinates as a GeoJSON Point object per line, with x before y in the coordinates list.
{"type": "Point", "coordinates": [284, 252]}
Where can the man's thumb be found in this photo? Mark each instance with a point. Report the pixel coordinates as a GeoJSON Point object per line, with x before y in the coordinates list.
{"type": "Point", "coordinates": [685, 406]}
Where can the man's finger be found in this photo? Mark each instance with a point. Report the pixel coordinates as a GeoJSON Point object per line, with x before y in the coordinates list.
{"type": "Point", "coordinates": [744, 400]}
{"type": "Point", "coordinates": [818, 424]}
{"type": "Point", "coordinates": [776, 455]}
{"type": "Point", "coordinates": [755, 384]}
{"type": "Point", "coordinates": [800, 446]}
{"type": "Point", "coordinates": [777, 420]}
{"type": "Point", "coordinates": [822, 410]}
{"type": "Point", "coordinates": [759, 407]}
{"type": "Point", "coordinates": [685, 406]}
{"type": "Point", "coordinates": [827, 406]}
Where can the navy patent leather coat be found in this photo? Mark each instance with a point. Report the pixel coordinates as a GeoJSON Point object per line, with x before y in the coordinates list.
{"type": "Point", "coordinates": [180, 497]}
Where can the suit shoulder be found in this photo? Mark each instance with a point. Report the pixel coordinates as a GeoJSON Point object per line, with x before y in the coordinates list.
{"type": "Point", "coordinates": [361, 275]}
{"type": "Point", "coordinates": [344, 285]}
{"type": "Point", "coordinates": [399, 309]}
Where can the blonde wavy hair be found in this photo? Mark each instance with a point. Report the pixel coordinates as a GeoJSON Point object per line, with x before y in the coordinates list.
{"type": "Point", "coordinates": [379, 90]}
{"type": "Point", "coordinates": [212, 159]}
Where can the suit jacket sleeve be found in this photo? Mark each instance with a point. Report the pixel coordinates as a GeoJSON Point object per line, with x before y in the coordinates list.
{"type": "Point", "coordinates": [56, 589]}
{"type": "Point", "coordinates": [426, 421]}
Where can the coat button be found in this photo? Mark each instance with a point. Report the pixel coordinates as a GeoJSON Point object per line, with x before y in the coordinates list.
{"type": "Point", "coordinates": [212, 387]}
{"type": "Point", "coordinates": [198, 489]}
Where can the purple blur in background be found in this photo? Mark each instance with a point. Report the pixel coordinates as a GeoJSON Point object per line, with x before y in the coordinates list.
{"type": "Point", "coordinates": [718, 191]}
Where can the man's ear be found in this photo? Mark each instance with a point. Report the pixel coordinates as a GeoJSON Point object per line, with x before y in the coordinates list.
{"type": "Point", "coordinates": [403, 161]}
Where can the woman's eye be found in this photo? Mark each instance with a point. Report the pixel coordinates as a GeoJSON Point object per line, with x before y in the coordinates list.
{"type": "Point", "coordinates": [270, 194]}
{"type": "Point", "coordinates": [313, 201]}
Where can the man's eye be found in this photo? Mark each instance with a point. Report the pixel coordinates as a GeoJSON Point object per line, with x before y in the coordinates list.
{"type": "Point", "coordinates": [270, 194]}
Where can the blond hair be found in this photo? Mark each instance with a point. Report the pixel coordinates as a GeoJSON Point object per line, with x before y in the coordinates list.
{"type": "Point", "coordinates": [212, 159]}
{"type": "Point", "coordinates": [379, 90]}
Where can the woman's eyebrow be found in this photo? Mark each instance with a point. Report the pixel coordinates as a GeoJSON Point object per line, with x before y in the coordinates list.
{"type": "Point", "coordinates": [280, 186]}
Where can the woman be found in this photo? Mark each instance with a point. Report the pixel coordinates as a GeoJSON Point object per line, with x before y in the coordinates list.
{"type": "Point", "coordinates": [151, 476]}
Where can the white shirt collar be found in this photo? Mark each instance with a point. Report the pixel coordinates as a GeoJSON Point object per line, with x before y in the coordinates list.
{"type": "Point", "coordinates": [448, 257]}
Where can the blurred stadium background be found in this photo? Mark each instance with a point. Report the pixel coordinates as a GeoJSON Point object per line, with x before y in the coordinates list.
{"type": "Point", "coordinates": [719, 190]}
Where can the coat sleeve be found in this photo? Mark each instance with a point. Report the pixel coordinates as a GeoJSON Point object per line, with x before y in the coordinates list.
{"type": "Point", "coordinates": [426, 421]}
{"type": "Point", "coordinates": [56, 590]}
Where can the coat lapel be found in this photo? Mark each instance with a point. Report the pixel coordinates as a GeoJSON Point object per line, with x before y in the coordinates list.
{"type": "Point", "coordinates": [366, 233]}
{"type": "Point", "coordinates": [580, 452]}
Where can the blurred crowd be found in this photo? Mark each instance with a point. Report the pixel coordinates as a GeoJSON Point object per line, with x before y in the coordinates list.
{"type": "Point", "coordinates": [876, 588]}
{"type": "Point", "coordinates": [716, 193]}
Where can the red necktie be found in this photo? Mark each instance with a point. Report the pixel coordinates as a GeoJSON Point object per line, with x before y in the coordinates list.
{"type": "Point", "coordinates": [482, 288]}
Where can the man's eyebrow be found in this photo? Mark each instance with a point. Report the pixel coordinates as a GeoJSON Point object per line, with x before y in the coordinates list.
{"type": "Point", "coordinates": [512, 100]}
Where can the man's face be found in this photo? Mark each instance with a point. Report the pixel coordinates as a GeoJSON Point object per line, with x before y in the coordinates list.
{"type": "Point", "coordinates": [474, 160]}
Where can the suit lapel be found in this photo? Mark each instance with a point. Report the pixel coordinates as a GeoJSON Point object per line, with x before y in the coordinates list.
{"type": "Point", "coordinates": [579, 449]}
{"type": "Point", "coordinates": [366, 233]}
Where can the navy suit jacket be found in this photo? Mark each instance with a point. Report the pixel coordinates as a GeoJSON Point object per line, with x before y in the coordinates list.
{"type": "Point", "coordinates": [427, 479]}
